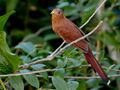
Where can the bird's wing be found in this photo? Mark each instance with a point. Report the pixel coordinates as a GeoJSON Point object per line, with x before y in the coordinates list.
{"type": "Point", "coordinates": [81, 32]}
{"type": "Point", "coordinates": [72, 33]}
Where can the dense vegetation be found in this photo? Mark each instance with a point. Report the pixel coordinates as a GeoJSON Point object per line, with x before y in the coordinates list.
{"type": "Point", "coordinates": [26, 36]}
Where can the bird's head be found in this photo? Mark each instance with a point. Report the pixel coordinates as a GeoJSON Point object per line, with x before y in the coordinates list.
{"type": "Point", "coordinates": [57, 12]}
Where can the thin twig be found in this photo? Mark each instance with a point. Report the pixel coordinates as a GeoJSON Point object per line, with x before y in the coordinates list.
{"type": "Point", "coordinates": [53, 53]}
{"type": "Point", "coordinates": [93, 14]}
{"type": "Point", "coordinates": [35, 62]}
{"type": "Point", "coordinates": [51, 70]}
{"type": "Point", "coordinates": [27, 73]}
{"type": "Point", "coordinates": [83, 77]}
{"type": "Point", "coordinates": [2, 84]}
{"type": "Point", "coordinates": [32, 72]}
{"type": "Point", "coordinates": [73, 77]}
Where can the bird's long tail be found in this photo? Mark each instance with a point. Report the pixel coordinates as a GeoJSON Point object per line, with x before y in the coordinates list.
{"type": "Point", "coordinates": [95, 65]}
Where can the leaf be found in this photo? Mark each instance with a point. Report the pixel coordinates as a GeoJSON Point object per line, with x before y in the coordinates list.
{"type": "Point", "coordinates": [69, 9]}
{"type": "Point", "coordinates": [4, 18]}
{"type": "Point", "coordinates": [31, 79]}
{"type": "Point", "coordinates": [108, 40]}
{"type": "Point", "coordinates": [60, 72]}
{"type": "Point", "coordinates": [16, 82]}
{"type": "Point", "coordinates": [86, 15]}
{"type": "Point", "coordinates": [8, 60]}
{"type": "Point", "coordinates": [6, 57]}
{"type": "Point", "coordinates": [28, 47]}
{"type": "Point", "coordinates": [73, 85]}
{"type": "Point", "coordinates": [14, 60]}
{"type": "Point", "coordinates": [59, 83]}
{"type": "Point", "coordinates": [92, 82]}
{"type": "Point", "coordinates": [82, 85]}
{"type": "Point", "coordinates": [11, 4]}
{"type": "Point", "coordinates": [25, 59]}
{"type": "Point", "coordinates": [5, 69]}
{"type": "Point", "coordinates": [50, 37]}
{"type": "Point", "coordinates": [38, 66]}
{"type": "Point", "coordinates": [45, 75]}
{"type": "Point", "coordinates": [60, 63]}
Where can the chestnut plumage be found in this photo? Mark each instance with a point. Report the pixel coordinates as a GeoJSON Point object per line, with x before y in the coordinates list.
{"type": "Point", "coordinates": [69, 32]}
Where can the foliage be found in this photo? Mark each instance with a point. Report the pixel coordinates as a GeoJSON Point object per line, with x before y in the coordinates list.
{"type": "Point", "coordinates": [60, 84]}
{"type": "Point", "coordinates": [30, 38]}
{"type": "Point", "coordinates": [8, 61]}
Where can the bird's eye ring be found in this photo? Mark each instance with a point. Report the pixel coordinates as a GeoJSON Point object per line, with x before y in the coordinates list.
{"type": "Point", "coordinates": [59, 12]}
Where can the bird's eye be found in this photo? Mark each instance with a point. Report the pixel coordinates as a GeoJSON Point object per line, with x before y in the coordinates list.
{"type": "Point", "coordinates": [59, 12]}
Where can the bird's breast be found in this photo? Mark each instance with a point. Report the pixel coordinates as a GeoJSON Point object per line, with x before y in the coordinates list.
{"type": "Point", "coordinates": [62, 31]}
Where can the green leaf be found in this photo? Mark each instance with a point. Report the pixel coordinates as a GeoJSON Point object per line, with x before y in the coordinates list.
{"type": "Point", "coordinates": [73, 85]}
{"type": "Point", "coordinates": [31, 79]}
{"type": "Point", "coordinates": [11, 4]}
{"type": "Point", "coordinates": [61, 63]}
{"type": "Point", "coordinates": [28, 47]}
{"type": "Point", "coordinates": [82, 85]}
{"type": "Point", "coordinates": [92, 82]}
{"type": "Point", "coordinates": [4, 18]}
{"type": "Point", "coordinates": [60, 72]}
{"type": "Point", "coordinates": [59, 83]}
{"type": "Point", "coordinates": [5, 69]}
{"type": "Point", "coordinates": [38, 66]}
{"type": "Point", "coordinates": [16, 82]}
{"type": "Point", "coordinates": [45, 75]}
{"type": "Point", "coordinates": [50, 37]}
{"type": "Point", "coordinates": [108, 40]}
{"type": "Point", "coordinates": [13, 59]}
{"type": "Point", "coordinates": [6, 57]}
{"type": "Point", "coordinates": [25, 59]}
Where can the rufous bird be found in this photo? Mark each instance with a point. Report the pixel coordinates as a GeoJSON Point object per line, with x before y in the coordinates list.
{"type": "Point", "coordinates": [69, 32]}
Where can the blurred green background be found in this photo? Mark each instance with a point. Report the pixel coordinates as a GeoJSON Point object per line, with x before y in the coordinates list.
{"type": "Point", "coordinates": [29, 34]}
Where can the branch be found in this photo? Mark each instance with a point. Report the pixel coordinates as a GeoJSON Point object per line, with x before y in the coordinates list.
{"type": "Point", "coordinates": [27, 73]}
{"type": "Point", "coordinates": [93, 14]}
{"type": "Point", "coordinates": [53, 53]}
{"type": "Point", "coordinates": [84, 77]}
{"type": "Point", "coordinates": [51, 70]}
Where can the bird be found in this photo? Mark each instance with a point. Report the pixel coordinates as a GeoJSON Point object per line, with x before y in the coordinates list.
{"type": "Point", "coordinates": [69, 32]}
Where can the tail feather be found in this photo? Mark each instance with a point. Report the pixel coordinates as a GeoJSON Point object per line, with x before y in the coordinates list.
{"type": "Point", "coordinates": [96, 66]}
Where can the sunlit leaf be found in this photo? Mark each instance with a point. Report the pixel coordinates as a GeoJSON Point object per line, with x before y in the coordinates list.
{"type": "Point", "coordinates": [4, 18]}
{"type": "Point", "coordinates": [11, 4]}
{"type": "Point", "coordinates": [9, 59]}
{"type": "Point", "coordinates": [82, 85]}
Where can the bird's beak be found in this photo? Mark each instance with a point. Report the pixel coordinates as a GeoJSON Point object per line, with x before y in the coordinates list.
{"type": "Point", "coordinates": [52, 12]}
